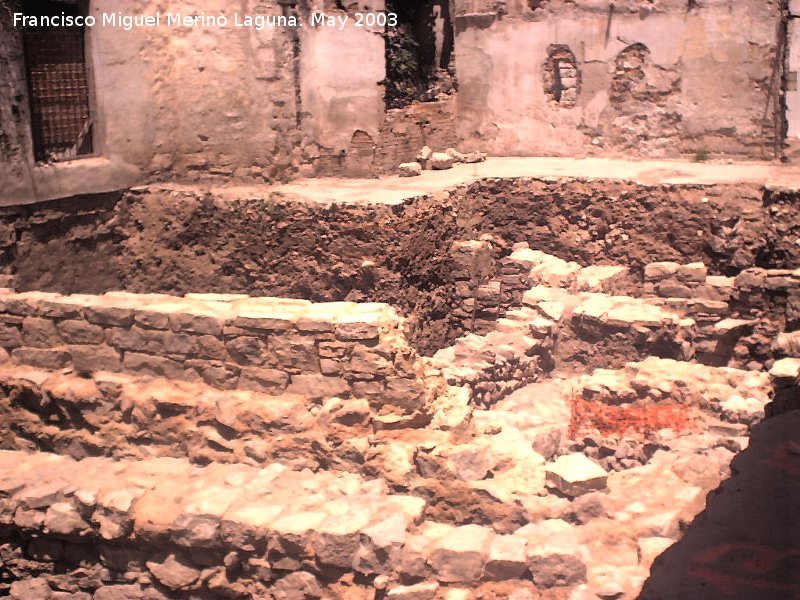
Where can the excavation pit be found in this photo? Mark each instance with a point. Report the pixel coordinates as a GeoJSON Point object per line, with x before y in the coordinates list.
{"type": "Point", "coordinates": [502, 389]}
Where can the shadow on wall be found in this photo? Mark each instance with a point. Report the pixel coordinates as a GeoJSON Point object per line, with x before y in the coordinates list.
{"type": "Point", "coordinates": [746, 544]}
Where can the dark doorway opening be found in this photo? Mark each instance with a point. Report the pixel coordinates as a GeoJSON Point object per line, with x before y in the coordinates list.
{"type": "Point", "coordinates": [419, 52]}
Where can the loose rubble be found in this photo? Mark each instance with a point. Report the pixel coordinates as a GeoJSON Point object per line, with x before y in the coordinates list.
{"type": "Point", "coordinates": [428, 159]}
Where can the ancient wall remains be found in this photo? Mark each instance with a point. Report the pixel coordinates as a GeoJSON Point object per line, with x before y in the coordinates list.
{"type": "Point", "coordinates": [229, 342]}
{"type": "Point", "coordinates": [653, 78]}
{"type": "Point", "coordinates": [173, 239]}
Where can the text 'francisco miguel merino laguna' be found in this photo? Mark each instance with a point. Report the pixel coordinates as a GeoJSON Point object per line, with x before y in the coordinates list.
{"type": "Point", "coordinates": [128, 22]}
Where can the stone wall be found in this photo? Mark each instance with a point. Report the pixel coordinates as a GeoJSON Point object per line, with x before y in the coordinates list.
{"type": "Point", "coordinates": [177, 239]}
{"type": "Point", "coordinates": [189, 100]}
{"type": "Point", "coordinates": [739, 318]}
{"type": "Point", "coordinates": [230, 342]}
{"type": "Point", "coordinates": [652, 78]}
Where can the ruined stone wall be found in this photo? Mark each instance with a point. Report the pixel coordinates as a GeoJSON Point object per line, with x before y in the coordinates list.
{"type": "Point", "coordinates": [229, 342]}
{"type": "Point", "coordinates": [664, 78]}
{"type": "Point", "coordinates": [174, 239]}
{"type": "Point", "coordinates": [342, 99]}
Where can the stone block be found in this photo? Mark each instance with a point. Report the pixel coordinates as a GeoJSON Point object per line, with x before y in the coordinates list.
{"type": "Point", "coordinates": [152, 319]}
{"type": "Point", "coordinates": [785, 368]}
{"type": "Point", "coordinates": [202, 324]}
{"type": "Point", "coordinates": [308, 325]}
{"type": "Point", "coordinates": [507, 558]}
{"type": "Point", "coordinates": [317, 387]}
{"type": "Point", "coordinates": [575, 474]}
{"type": "Point", "coordinates": [31, 589]}
{"type": "Point", "coordinates": [173, 574]}
{"type": "Point", "coordinates": [295, 352]}
{"type": "Point", "coordinates": [247, 350]}
{"type": "Point", "coordinates": [41, 358]}
{"type": "Point", "coordinates": [673, 289]}
{"type": "Point", "coordinates": [265, 380]}
{"type": "Point", "coordinates": [382, 545]}
{"type": "Point", "coordinates": [660, 270]}
{"type": "Point", "coordinates": [600, 278]}
{"type": "Point", "coordinates": [10, 336]}
{"type": "Point", "coordinates": [407, 394]}
{"type": "Point", "coordinates": [216, 374]}
{"type": "Point", "coordinates": [155, 366]}
{"type": "Point", "coordinates": [751, 279]}
{"type": "Point", "coordinates": [195, 531]}
{"type": "Point", "coordinates": [109, 316]}
{"type": "Point", "coordinates": [424, 154]}
{"type": "Point", "coordinates": [357, 331]}
{"type": "Point", "coordinates": [92, 358]}
{"type": "Point", "coordinates": [440, 161]}
{"type": "Point", "coordinates": [78, 331]}
{"type": "Point", "coordinates": [210, 347]}
{"type": "Point", "coordinates": [460, 556]}
{"type": "Point", "coordinates": [409, 169]}
{"type": "Point", "coordinates": [16, 306]}
{"type": "Point", "coordinates": [473, 157]}
{"type": "Point", "coordinates": [244, 525]}
{"type": "Point", "coordinates": [262, 323]}
{"type": "Point", "coordinates": [554, 556]}
{"type": "Point", "coordinates": [693, 272]}
{"type": "Point", "coordinates": [63, 518]}
{"type": "Point", "coordinates": [367, 363]}
{"type": "Point", "coordinates": [39, 333]}
{"type": "Point", "coordinates": [338, 537]}
{"type": "Point", "coordinates": [418, 591]}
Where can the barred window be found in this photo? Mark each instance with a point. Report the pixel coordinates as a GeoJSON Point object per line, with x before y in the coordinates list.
{"type": "Point", "coordinates": [58, 84]}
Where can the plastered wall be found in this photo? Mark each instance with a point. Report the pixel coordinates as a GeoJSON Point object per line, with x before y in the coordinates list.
{"type": "Point", "coordinates": [707, 80]}
{"type": "Point", "coordinates": [202, 101]}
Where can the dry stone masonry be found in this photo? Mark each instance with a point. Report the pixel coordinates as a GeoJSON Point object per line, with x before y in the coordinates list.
{"type": "Point", "coordinates": [229, 342]}
{"type": "Point", "coordinates": [217, 445]}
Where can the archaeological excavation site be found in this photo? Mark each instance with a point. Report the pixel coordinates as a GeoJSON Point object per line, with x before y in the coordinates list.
{"type": "Point", "coordinates": [399, 300]}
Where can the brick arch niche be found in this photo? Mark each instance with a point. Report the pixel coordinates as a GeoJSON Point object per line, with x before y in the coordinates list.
{"type": "Point", "coordinates": [630, 77]}
{"type": "Point", "coordinates": [561, 76]}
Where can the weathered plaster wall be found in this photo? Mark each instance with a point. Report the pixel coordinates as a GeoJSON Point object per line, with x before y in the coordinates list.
{"type": "Point", "coordinates": [340, 72]}
{"type": "Point", "coordinates": [793, 66]}
{"type": "Point", "coordinates": [15, 134]}
{"type": "Point", "coordinates": [199, 102]}
{"type": "Point", "coordinates": [705, 81]}
{"type": "Point", "coordinates": [193, 100]}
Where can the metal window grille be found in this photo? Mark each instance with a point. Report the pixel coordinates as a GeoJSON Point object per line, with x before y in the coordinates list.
{"type": "Point", "coordinates": [58, 85]}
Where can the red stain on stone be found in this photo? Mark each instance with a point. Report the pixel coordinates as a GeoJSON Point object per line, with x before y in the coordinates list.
{"type": "Point", "coordinates": [635, 421]}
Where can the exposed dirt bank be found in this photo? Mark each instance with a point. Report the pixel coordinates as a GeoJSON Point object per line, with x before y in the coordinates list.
{"type": "Point", "coordinates": [156, 240]}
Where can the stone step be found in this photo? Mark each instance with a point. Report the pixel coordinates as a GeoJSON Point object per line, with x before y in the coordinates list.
{"type": "Point", "coordinates": [601, 330]}
{"type": "Point", "coordinates": [168, 526]}
{"type": "Point", "coordinates": [271, 345]}
{"type": "Point", "coordinates": [125, 416]}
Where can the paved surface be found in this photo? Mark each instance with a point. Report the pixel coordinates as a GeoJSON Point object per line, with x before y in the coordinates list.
{"type": "Point", "coordinates": [394, 189]}
{"type": "Point", "coordinates": [746, 544]}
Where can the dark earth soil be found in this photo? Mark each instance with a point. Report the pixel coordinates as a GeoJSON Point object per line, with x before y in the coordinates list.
{"type": "Point", "coordinates": [156, 240]}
